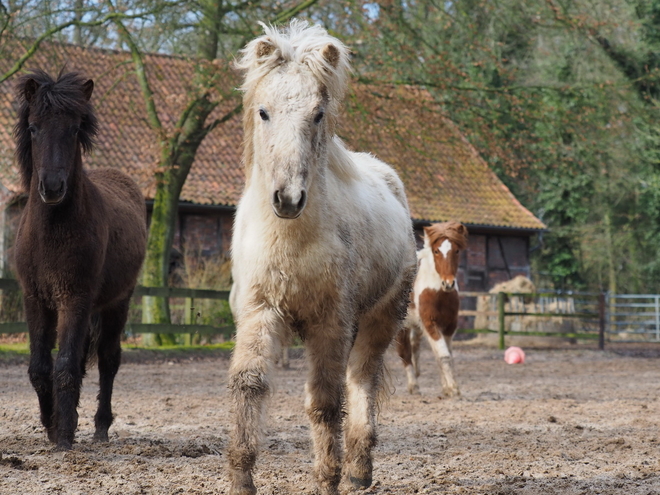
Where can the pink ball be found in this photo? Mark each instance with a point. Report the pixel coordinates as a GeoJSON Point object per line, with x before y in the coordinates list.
{"type": "Point", "coordinates": [514, 355]}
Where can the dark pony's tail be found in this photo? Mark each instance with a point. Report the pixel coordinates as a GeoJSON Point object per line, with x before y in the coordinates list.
{"type": "Point", "coordinates": [93, 338]}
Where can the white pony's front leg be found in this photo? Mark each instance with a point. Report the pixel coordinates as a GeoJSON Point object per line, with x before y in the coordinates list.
{"type": "Point", "coordinates": [442, 350]}
{"type": "Point", "coordinates": [257, 336]}
{"type": "Point", "coordinates": [364, 383]}
{"type": "Point", "coordinates": [327, 347]}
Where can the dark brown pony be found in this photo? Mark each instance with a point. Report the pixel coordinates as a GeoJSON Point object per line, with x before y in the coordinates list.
{"type": "Point", "coordinates": [79, 248]}
{"type": "Point", "coordinates": [434, 303]}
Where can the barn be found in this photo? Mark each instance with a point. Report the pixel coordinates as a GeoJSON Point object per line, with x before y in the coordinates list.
{"type": "Point", "coordinates": [445, 177]}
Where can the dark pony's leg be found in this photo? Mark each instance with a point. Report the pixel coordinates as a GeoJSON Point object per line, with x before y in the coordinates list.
{"type": "Point", "coordinates": [112, 323]}
{"type": "Point", "coordinates": [72, 330]}
{"type": "Point", "coordinates": [41, 325]}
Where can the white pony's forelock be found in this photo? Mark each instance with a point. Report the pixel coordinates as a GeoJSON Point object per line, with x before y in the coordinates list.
{"type": "Point", "coordinates": [300, 43]}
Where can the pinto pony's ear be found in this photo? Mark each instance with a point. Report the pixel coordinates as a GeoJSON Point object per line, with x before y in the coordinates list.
{"type": "Point", "coordinates": [462, 229]}
{"type": "Point", "coordinates": [88, 89]}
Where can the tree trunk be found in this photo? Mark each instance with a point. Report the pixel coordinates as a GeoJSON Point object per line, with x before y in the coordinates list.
{"type": "Point", "coordinates": [176, 162]}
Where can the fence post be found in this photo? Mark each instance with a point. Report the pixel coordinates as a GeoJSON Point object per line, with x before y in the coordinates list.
{"type": "Point", "coordinates": [601, 321]}
{"type": "Point", "coordinates": [500, 316]}
{"type": "Point", "coordinates": [188, 318]}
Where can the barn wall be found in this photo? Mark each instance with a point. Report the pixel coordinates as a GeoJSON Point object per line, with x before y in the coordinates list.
{"type": "Point", "coordinates": [205, 234]}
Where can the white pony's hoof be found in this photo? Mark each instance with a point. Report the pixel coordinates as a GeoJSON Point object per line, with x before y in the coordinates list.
{"type": "Point", "coordinates": [414, 389]}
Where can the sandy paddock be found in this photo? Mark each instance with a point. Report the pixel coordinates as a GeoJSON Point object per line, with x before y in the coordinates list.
{"type": "Point", "coordinates": [571, 421]}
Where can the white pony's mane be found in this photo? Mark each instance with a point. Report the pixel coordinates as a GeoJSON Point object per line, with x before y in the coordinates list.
{"type": "Point", "coordinates": [325, 56]}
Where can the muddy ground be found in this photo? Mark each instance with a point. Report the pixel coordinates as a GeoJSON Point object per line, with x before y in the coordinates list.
{"type": "Point", "coordinates": [568, 421]}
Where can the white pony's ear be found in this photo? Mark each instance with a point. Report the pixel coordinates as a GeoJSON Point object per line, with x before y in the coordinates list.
{"type": "Point", "coordinates": [331, 55]}
{"type": "Point", "coordinates": [263, 50]}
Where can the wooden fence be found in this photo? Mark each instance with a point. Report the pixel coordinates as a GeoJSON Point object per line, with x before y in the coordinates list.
{"type": "Point", "coordinates": [188, 327]}
{"type": "Point", "coordinates": [588, 308]}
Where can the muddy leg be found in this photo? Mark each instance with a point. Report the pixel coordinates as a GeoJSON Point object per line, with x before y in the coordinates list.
{"type": "Point", "coordinates": [251, 364]}
{"type": "Point", "coordinates": [111, 323]}
{"type": "Point", "coordinates": [364, 381]}
{"type": "Point", "coordinates": [41, 325]}
{"type": "Point", "coordinates": [327, 353]}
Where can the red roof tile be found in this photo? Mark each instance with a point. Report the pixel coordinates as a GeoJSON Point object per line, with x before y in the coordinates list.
{"type": "Point", "coordinates": [445, 177]}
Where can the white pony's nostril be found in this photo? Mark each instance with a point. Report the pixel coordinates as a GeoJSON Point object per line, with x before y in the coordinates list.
{"type": "Point", "coordinates": [303, 200]}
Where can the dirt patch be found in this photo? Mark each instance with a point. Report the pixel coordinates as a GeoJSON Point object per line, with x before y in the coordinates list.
{"type": "Point", "coordinates": [566, 422]}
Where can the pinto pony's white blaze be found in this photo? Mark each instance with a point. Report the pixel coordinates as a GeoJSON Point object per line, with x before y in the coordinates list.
{"type": "Point", "coordinates": [304, 257]}
{"type": "Point", "coordinates": [435, 304]}
{"type": "Point", "coordinates": [445, 247]}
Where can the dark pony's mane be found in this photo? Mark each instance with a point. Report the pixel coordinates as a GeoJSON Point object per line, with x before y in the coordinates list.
{"type": "Point", "coordinates": [454, 231]}
{"type": "Point", "coordinates": [64, 95]}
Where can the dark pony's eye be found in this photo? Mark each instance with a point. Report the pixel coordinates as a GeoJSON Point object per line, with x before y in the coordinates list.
{"type": "Point", "coordinates": [33, 129]}
{"type": "Point", "coordinates": [75, 129]}
{"type": "Point", "coordinates": [263, 114]}
{"type": "Point", "coordinates": [319, 117]}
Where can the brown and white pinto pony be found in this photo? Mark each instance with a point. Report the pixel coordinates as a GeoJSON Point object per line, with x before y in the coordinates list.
{"type": "Point", "coordinates": [323, 248]}
{"type": "Point", "coordinates": [434, 304]}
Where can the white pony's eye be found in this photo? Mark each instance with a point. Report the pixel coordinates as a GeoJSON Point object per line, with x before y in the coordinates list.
{"type": "Point", "coordinates": [263, 114]}
{"type": "Point", "coordinates": [319, 117]}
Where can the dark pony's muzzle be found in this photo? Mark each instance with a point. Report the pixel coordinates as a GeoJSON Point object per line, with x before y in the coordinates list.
{"type": "Point", "coordinates": [52, 190]}
{"type": "Point", "coordinates": [289, 206]}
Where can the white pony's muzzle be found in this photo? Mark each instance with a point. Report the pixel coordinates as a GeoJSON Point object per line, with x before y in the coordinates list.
{"type": "Point", "coordinates": [288, 204]}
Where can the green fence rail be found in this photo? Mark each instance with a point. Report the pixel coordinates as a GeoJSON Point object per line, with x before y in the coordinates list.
{"type": "Point", "coordinates": [598, 314]}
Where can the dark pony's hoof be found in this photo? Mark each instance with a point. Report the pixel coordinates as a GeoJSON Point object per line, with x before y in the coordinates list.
{"type": "Point", "coordinates": [101, 437]}
{"type": "Point", "coordinates": [360, 482]}
{"type": "Point", "coordinates": [52, 434]}
{"type": "Point", "coordinates": [63, 446]}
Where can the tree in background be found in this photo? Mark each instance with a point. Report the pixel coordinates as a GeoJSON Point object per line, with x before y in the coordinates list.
{"type": "Point", "coordinates": [555, 117]}
{"type": "Point", "coordinates": [560, 99]}
{"type": "Point", "coordinates": [215, 30]}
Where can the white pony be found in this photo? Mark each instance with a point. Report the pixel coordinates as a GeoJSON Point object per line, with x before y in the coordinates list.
{"type": "Point", "coordinates": [322, 246]}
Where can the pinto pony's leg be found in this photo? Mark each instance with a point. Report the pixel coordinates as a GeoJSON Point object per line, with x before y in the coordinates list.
{"type": "Point", "coordinates": [108, 350]}
{"type": "Point", "coordinates": [405, 350]}
{"type": "Point", "coordinates": [415, 340]}
{"type": "Point", "coordinates": [41, 326]}
{"type": "Point", "coordinates": [442, 350]}
{"type": "Point", "coordinates": [253, 357]}
{"type": "Point", "coordinates": [72, 332]}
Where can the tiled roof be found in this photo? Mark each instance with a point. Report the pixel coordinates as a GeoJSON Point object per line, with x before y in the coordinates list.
{"type": "Point", "coordinates": [444, 176]}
